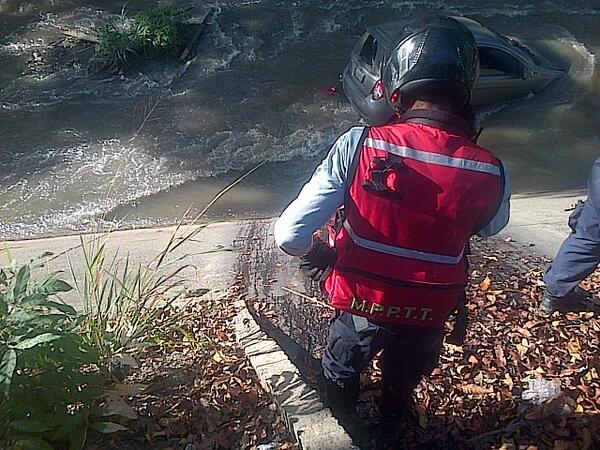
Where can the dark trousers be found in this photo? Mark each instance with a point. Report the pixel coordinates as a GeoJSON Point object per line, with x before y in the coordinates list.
{"type": "Point", "coordinates": [408, 353]}
{"type": "Point", "coordinates": [579, 254]}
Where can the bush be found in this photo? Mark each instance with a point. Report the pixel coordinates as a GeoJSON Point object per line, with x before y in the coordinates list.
{"type": "Point", "coordinates": [152, 33]}
{"type": "Point", "coordinates": [52, 386]}
{"type": "Point", "coordinates": [157, 31]}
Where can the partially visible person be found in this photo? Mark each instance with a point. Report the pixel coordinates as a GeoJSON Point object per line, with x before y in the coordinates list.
{"type": "Point", "coordinates": [578, 256]}
{"type": "Point", "coordinates": [412, 194]}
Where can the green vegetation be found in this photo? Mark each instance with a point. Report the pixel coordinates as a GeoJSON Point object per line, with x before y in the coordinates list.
{"type": "Point", "coordinates": [51, 382]}
{"type": "Point", "coordinates": [124, 302]}
{"type": "Point", "coordinates": [151, 33]}
{"type": "Point", "coordinates": [61, 370]}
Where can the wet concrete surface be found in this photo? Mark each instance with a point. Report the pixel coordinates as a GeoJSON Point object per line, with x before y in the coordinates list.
{"type": "Point", "coordinates": [267, 272]}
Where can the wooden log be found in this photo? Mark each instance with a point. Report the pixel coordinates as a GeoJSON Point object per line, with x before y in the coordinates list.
{"type": "Point", "coordinates": [200, 29]}
{"type": "Point", "coordinates": [81, 35]}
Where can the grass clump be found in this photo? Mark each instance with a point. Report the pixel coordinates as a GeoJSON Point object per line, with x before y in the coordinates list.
{"type": "Point", "coordinates": [152, 33]}
{"type": "Point", "coordinates": [124, 302]}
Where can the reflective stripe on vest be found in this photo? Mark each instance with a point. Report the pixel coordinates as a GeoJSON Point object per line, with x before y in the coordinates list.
{"type": "Point", "coordinates": [433, 158]}
{"type": "Point", "coordinates": [401, 251]}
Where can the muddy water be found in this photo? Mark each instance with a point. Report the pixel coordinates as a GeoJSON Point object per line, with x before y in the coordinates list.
{"type": "Point", "coordinates": [71, 157]}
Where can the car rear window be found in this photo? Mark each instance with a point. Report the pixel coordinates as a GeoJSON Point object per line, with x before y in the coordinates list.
{"type": "Point", "coordinates": [368, 52]}
{"type": "Point", "coordinates": [494, 61]}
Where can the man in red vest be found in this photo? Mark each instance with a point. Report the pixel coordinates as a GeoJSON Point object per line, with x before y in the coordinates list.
{"type": "Point", "coordinates": [409, 195]}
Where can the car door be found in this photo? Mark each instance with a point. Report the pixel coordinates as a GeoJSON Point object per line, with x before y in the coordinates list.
{"type": "Point", "coordinates": [502, 76]}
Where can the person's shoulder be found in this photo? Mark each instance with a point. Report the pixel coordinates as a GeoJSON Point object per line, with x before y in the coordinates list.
{"type": "Point", "coordinates": [486, 154]}
{"type": "Point", "coordinates": [349, 139]}
{"type": "Point", "coordinates": [353, 133]}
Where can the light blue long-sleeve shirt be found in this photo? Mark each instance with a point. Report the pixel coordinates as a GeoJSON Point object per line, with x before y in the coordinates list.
{"type": "Point", "coordinates": [325, 192]}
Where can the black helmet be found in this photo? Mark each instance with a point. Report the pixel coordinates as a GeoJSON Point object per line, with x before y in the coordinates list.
{"type": "Point", "coordinates": [433, 56]}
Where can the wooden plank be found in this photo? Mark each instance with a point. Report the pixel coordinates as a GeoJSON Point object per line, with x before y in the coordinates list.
{"type": "Point", "coordinates": [81, 35]}
{"type": "Point", "coordinates": [191, 44]}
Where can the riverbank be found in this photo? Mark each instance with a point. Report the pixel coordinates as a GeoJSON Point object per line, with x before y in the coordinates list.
{"type": "Point", "coordinates": [537, 227]}
{"type": "Point", "coordinates": [538, 222]}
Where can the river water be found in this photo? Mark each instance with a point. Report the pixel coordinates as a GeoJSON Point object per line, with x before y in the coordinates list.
{"type": "Point", "coordinates": [74, 154]}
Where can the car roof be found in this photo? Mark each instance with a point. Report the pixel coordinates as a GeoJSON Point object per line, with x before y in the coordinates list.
{"type": "Point", "coordinates": [385, 32]}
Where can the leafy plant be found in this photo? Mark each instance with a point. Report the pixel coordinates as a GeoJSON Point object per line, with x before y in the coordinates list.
{"type": "Point", "coordinates": [50, 381]}
{"type": "Point", "coordinates": [158, 30]}
{"type": "Point", "coordinates": [113, 44]}
{"type": "Point", "coordinates": [151, 33]}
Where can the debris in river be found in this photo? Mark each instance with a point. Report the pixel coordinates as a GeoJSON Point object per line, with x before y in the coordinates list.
{"type": "Point", "coordinates": [151, 33]}
{"type": "Point", "coordinates": [329, 90]}
{"type": "Point", "coordinates": [158, 32]}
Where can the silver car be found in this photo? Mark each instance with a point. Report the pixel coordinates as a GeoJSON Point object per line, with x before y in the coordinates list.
{"type": "Point", "coordinates": [508, 69]}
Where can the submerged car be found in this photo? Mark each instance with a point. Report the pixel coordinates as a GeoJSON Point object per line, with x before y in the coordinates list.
{"type": "Point", "coordinates": [508, 69]}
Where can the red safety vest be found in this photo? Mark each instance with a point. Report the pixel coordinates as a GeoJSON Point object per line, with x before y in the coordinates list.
{"type": "Point", "coordinates": [418, 193]}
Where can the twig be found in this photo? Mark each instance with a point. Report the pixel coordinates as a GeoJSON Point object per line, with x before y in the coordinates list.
{"type": "Point", "coordinates": [507, 430]}
{"type": "Point", "coordinates": [310, 299]}
{"type": "Point", "coordinates": [183, 56]}
{"type": "Point", "coordinates": [222, 192]}
{"type": "Point", "coordinates": [150, 112]}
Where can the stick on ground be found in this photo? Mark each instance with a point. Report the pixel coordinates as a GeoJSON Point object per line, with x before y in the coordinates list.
{"type": "Point", "coordinates": [310, 299]}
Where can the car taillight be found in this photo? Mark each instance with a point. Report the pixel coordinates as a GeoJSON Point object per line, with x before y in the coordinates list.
{"type": "Point", "coordinates": [378, 91]}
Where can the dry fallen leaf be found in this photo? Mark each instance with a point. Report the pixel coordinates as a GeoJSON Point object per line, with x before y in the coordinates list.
{"type": "Point", "coordinates": [485, 284]}
{"type": "Point", "coordinates": [500, 359]}
{"type": "Point", "coordinates": [476, 390]}
{"type": "Point", "coordinates": [508, 381]}
{"type": "Point", "coordinates": [218, 357]}
{"type": "Point", "coordinates": [574, 347]}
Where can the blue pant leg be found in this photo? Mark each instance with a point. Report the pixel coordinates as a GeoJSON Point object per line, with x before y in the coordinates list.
{"type": "Point", "coordinates": [578, 255]}
{"type": "Point", "coordinates": [349, 351]}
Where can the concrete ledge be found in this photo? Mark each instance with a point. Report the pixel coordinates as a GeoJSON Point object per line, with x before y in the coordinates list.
{"type": "Point", "coordinates": [539, 222]}
{"type": "Point", "coordinates": [205, 256]}
{"type": "Point", "coordinates": [313, 425]}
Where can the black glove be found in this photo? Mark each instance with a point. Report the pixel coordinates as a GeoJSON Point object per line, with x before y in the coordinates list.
{"type": "Point", "coordinates": [318, 260]}
{"type": "Point", "coordinates": [459, 332]}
